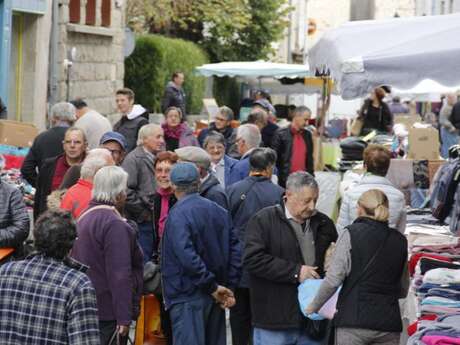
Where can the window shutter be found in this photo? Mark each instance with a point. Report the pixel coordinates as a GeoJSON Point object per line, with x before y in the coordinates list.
{"type": "Point", "coordinates": [106, 12]}
{"type": "Point", "coordinates": [74, 11]}
{"type": "Point", "coordinates": [91, 12]}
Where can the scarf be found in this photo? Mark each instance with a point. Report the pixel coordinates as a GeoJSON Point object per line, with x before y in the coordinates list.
{"type": "Point", "coordinates": [174, 133]}
{"type": "Point", "coordinates": [164, 210]}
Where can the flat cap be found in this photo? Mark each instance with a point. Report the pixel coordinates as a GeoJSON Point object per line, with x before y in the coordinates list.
{"type": "Point", "coordinates": [183, 174]}
{"type": "Point", "coordinates": [195, 155]}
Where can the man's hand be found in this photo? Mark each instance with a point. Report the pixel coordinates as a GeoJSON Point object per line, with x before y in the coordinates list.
{"type": "Point", "coordinates": [224, 297]}
{"type": "Point", "coordinates": [308, 272]}
{"type": "Point", "coordinates": [123, 330]}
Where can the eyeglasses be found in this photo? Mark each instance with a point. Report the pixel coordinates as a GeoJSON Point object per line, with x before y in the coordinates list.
{"type": "Point", "coordinates": [162, 171]}
{"type": "Point", "coordinates": [72, 142]}
{"type": "Point", "coordinates": [220, 119]}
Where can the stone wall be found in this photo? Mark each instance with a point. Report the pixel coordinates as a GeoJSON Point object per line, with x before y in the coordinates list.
{"type": "Point", "coordinates": [98, 69]}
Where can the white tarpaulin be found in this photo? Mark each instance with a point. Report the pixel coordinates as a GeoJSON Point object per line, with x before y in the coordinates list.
{"type": "Point", "coordinates": [399, 52]}
{"type": "Point", "coordinates": [256, 69]}
{"type": "Point", "coordinates": [426, 91]}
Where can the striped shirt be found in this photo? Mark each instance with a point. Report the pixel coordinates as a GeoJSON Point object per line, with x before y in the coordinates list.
{"type": "Point", "coordinates": [47, 301]}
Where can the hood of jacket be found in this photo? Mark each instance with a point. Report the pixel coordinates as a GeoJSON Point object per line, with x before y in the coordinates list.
{"type": "Point", "coordinates": [207, 184]}
{"type": "Point", "coordinates": [172, 85]}
{"type": "Point", "coordinates": [137, 111]}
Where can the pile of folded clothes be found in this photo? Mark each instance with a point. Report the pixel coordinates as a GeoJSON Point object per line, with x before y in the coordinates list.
{"type": "Point", "coordinates": [352, 152]}
{"type": "Point", "coordinates": [435, 269]}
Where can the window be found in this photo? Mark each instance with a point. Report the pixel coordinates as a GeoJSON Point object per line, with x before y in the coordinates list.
{"type": "Point", "coordinates": [74, 11]}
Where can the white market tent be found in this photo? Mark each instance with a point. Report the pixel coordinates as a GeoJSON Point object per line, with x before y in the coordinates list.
{"type": "Point", "coordinates": [426, 91]}
{"type": "Point", "coordinates": [400, 52]}
{"type": "Point", "coordinates": [258, 69]}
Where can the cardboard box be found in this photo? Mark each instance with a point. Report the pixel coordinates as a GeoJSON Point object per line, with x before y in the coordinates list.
{"type": "Point", "coordinates": [16, 133]}
{"type": "Point", "coordinates": [423, 143]}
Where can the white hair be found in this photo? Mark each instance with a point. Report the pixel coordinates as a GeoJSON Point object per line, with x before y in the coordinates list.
{"type": "Point", "coordinates": [250, 134]}
{"type": "Point", "coordinates": [96, 159]}
{"type": "Point", "coordinates": [146, 131]}
{"type": "Point", "coordinates": [64, 111]}
{"type": "Point", "coordinates": [109, 182]}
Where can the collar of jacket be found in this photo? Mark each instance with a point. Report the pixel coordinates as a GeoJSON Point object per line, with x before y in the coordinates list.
{"type": "Point", "coordinates": [315, 221]}
{"type": "Point", "coordinates": [68, 261]}
{"type": "Point", "coordinates": [374, 179]}
{"type": "Point", "coordinates": [371, 222]}
{"type": "Point", "coordinates": [207, 184]}
{"type": "Point", "coordinates": [139, 152]}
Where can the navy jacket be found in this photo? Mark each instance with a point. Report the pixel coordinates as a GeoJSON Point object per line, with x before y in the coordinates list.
{"type": "Point", "coordinates": [229, 163]}
{"type": "Point", "coordinates": [240, 171]}
{"type": "Point", "coordinates": [212, 190]}
{"type": "Point", "coordinates": [260, 192]}
{"type": "Point", "coordinates": [199, 250]}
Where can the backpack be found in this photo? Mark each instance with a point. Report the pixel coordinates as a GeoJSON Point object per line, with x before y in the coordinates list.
{"type": "Point", "coordinates": [444, 190]}
{"type": "Point", "coordinates": [454, 224]}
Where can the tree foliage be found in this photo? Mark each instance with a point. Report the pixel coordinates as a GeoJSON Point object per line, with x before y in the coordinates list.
{"type": "Point", "coordinates": [228, 30]}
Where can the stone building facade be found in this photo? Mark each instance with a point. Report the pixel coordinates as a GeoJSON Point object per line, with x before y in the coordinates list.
{"type": "Point", "coordinates": [97, 34]}
{"type": "Point", "coordinates": [36, 38]}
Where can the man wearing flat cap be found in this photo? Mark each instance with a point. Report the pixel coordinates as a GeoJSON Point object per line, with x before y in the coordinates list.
{"type": "Point", "coordinates": [210, 187]}
{"type": "Point", "coordinates": [200, 262]}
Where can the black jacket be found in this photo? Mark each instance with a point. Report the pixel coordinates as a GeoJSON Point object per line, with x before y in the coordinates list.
{"type": "Point", "coordinates": [174, 97]}
{"type": "Point", "coordinates": [3, 110]}
{"type": "Point", "coordinates": [14, 219]}
{"type": "Point", "coordinates": [212, 190]}
{"type": "Point", "coordinates": [273, 258]}
{"type": "Point", "coordinates": [130, 129]}
{"type": "Point", "coordinates": [44, 182]}
{"type": "Point", "coordinates": [379, 119]}
{"type": "Point", "coordinates": [282, 144]}
{"type": "Point", "coordinates": [46, 145]}
{"type": "Point", "coordinates": [370, 301]}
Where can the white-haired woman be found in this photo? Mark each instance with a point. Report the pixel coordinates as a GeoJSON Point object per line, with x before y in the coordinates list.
{"type": "Point", "coordinates": [370, 263]}
{"type": "Point", "coordinates": [107, 245]}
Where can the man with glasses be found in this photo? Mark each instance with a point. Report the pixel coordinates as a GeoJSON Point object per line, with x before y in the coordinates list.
{"type": "Point", "coordinates": [222, 125]}
{"type": "Point", "coordinates": [116, 144]}
{"type": "Point", "coordinates": [53, 169]}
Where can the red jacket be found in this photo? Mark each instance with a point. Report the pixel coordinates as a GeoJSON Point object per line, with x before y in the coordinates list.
{"type": "Point", "coordinates": [77, 197]}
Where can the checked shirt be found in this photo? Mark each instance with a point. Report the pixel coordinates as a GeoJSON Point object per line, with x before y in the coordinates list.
{"type": "Point", "coordinates": [47, 301]}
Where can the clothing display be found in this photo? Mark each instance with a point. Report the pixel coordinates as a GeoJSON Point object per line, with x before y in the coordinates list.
{"type": "Point", "coordinates": [435, 269]}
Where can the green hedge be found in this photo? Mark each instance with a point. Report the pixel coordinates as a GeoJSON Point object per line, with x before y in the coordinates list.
{"type": "Point", "coordinates": [150, 66]}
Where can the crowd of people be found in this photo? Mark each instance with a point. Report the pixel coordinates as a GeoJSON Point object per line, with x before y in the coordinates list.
{"type": "Point", "coordinates": [229, 216]}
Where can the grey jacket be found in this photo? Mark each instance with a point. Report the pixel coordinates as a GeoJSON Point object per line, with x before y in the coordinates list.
{"type": "Point", "coordinates": [14, 219]}
{"type": "Point", "coordinates": [141, 185]}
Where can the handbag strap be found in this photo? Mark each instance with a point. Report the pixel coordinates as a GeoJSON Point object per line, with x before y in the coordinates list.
{"type": "Point", "coordinates": [242, 198]}
{"type": "Point", "coordinates": [366, 268]}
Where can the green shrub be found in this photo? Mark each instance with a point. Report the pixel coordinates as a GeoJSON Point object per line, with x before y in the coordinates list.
{"type": "Point", "coordinates": [150, 66]}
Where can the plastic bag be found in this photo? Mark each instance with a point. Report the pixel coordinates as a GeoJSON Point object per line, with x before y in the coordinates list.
{"type": "Point", "coordinates": [307, 292]}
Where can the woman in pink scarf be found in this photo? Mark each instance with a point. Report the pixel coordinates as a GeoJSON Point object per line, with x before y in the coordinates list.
{"type": "Point", "coordinates": [164, 197]}
{"type": "Point", "coordinates": [177, 133]}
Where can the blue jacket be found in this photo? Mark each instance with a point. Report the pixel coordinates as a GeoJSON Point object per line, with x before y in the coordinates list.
{"type": "Point", "coordinates": [239, 171]}
{"type": "Point", "coordinates": [260, 192]}
{"type": "Point", "coordinates": [229, 162]}
{"type": "Point", "coordinates": [212, 190]}
{"type": "Point", "coordinates": [199, 250]}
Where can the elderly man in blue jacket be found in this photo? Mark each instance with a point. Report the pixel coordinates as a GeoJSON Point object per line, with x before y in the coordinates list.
{"type": "Point", "coordinates": [200, 262]}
